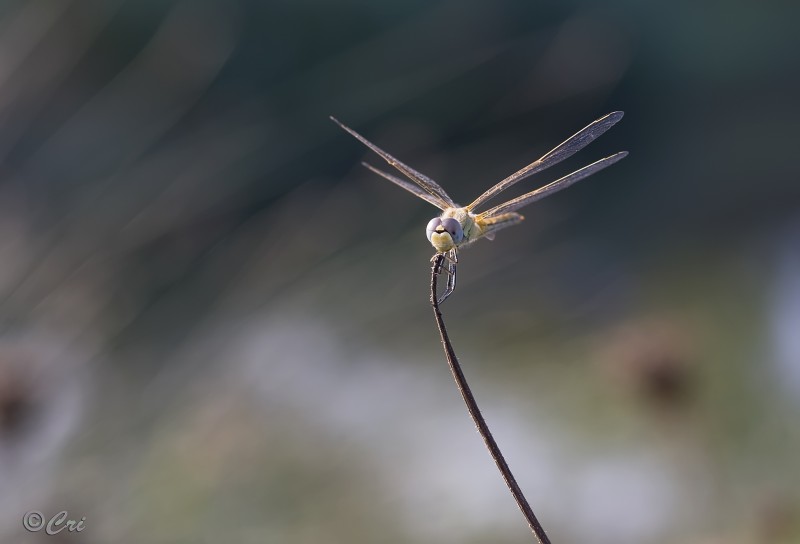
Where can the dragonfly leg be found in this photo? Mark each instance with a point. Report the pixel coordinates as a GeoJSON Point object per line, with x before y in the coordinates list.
{"type": "Point", "coordinates": [452, 259]}
{"type": "Point", "coordinates": [441, 268]}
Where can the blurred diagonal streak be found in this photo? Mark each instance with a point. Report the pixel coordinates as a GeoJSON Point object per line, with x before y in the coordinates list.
{"type": "Point", "coordinates": [587, 53]}
{"type": "Point", "coordinates": [124, 119]}
{"type": "Point", "coordinates": [20, 32]}
{"type": "Point", "coordinates": [143, 101]}
{"type": "Point", "coordinates": [41, 46]}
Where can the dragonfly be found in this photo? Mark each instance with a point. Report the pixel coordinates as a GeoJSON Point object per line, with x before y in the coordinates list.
{"type": "Point", "coordinates": [460, 226]}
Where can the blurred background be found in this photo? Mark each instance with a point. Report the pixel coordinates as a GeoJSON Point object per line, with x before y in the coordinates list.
{"type": "Point", "coordinates": [215, 322]}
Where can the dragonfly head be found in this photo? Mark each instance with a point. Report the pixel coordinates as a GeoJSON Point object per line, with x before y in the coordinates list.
{"type": "Point", "coordinates": [444, 233]}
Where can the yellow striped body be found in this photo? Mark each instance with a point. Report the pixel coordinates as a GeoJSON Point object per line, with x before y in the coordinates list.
{"type": "Point", "coordinates": [474, 226]}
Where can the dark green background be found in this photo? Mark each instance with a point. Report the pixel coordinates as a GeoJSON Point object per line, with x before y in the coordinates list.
{"type": "Point", "coordinates": [217, 321]}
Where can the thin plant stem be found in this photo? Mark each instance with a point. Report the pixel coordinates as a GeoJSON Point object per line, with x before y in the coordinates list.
{"type": "Point", "coordinates": [475, 413]}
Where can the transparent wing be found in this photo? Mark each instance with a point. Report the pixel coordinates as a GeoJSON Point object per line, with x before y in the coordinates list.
{"type": "Point", "coordinates": [566, 149]}
{"type": "Point", "coordinates": [426, 183]}
{"type": "Point", "coordinates": [550, 188]}
{"type": "Point", "coordinates": [410, 187]}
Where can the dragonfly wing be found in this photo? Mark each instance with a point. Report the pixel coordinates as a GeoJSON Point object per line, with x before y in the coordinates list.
{"type": "Point", "coordinates": [426, 183]}
{"type": "Point", "coordinates": [410, 187]}
{"type": "Point", "coordinates": [564, 150]}
{"type": "Point", "coordinates": [550, 188]}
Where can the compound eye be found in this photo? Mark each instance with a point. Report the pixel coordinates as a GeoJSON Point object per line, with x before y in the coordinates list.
{"type": "Point", "coordinates": [431, 228]}
{"type": "Point", "coordinates": [454, 228]}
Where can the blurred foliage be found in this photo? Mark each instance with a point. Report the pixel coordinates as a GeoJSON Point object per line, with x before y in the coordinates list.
{"type": "Point", "coordinates": [215, 322]}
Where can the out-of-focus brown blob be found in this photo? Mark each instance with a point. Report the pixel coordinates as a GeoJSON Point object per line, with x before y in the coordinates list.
{"type": "Point", "coordinates": [653, 360]}
{"type": "Point", "coordinates": [778, 521]}
{"type": "Point", "coordinates": [16, 404]}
